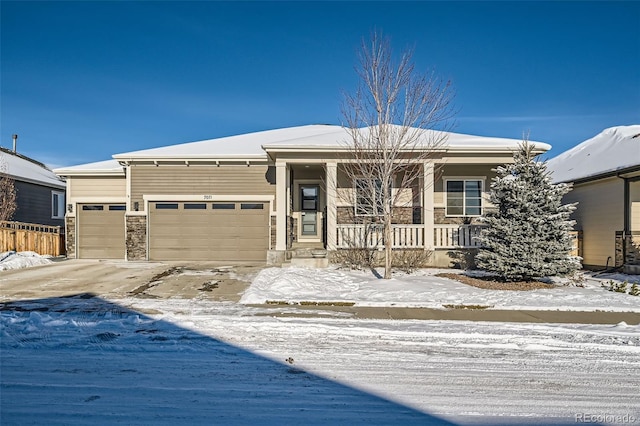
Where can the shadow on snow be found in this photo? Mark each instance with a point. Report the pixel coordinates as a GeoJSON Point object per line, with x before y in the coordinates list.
{"type": "Point", "coordinates": [82, 359]}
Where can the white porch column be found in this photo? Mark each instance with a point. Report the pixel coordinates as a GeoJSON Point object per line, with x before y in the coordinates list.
{"type": "Point", "coordinates": [332, 193]}
{"type": "Point", "coordinates": [428, 209]}
{"type": "Point", "coordinates": [282, 183]}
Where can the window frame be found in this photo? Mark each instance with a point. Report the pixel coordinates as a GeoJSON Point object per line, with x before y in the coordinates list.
{"type": "Point", "coordinates": [465, 206]}
{"type": "Point", "coordinates": [59, 204]}
{"type": "Point", "coordinates": [375, 207]}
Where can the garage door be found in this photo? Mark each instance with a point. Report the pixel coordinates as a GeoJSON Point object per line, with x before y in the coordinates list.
{"type": "Point", "coordinates": [208, 231]}
{"type": "Point", "coordinates": [101, 231]}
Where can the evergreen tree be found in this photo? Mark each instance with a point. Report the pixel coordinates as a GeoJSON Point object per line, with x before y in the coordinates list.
{"type": "Point", "coordinates": [527, 234]}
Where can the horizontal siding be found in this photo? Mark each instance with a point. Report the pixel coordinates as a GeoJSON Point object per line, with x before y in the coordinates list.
{"type": "Point", "coordinates": [634, 197]}
{"type": "Point", "coordinates": [205, 180]}
{"type": "Point", "coordinates": [97, 186]}
{"type": "Point", "coordinates": [34, 204]}
{"type": "Point", "coordinates": [599, 215]}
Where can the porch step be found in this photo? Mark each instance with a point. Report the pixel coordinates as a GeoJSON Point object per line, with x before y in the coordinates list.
{"type": "Point", "coordinates": [631, 269]}
{"type": "Point", "coordinates": [308, 253]}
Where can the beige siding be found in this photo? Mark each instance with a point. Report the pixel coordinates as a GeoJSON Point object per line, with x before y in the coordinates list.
{"type": "Point", "coordinates": [634, 197]}
{"type": "Point", "coordinates": [97, 186]}
{"type": "Point", "coordinates": [205, 180]}
{"type": "Point", "coordinates": [460, 171]}
{"type": "Point", "coordinates": [599, 215]}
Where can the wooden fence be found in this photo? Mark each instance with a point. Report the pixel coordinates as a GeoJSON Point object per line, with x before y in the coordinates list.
{"type": "Point", "coordinates": [42, 239]}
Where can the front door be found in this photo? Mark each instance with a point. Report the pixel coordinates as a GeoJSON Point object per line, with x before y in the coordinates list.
{"type": "Point", "coordinates": [309, 203]}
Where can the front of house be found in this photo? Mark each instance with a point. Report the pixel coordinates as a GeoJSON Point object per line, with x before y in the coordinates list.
{"type": "Point", "coordinates": [258, 197]}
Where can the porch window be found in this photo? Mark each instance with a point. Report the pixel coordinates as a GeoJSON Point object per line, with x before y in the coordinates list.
{"type": "Point", "coordinates": [369, 199]}
{"type": "Point", "coordinates": [464, 197]}
{"type": "Point", "coordinates": [57, 205]}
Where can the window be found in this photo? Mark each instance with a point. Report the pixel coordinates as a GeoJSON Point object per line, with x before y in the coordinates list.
{"type": "Point", "coordinates": [195, 206]}
{"type": "Point", "coordinates": [368, 197]}
{"type": "Point", "coordinates": [464, 197]}
{"type": "Point", "coordinates": [251, 206]}
{"type": "Point", "coordinates": [167, 206]}
{"type": "Point", "coordinates": [57, 205]}
{"type": "Point", "coordinates": [92, 207]}
{"type": "Point", "coordinates": [223, 206]}
{"type": "Point", "coordinates": [117, 207]}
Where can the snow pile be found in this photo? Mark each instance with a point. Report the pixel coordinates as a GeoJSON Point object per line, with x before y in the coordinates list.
{"type": "Point", "coordinates": [23, 259]}
{"type": "Point", "coordinates": [614, 149]}
{"type": "Point", "coordinates": [424, 289]}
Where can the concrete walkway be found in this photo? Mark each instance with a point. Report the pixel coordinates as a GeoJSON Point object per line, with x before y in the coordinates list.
{"type": "Point", "coordinates": [397, 313]}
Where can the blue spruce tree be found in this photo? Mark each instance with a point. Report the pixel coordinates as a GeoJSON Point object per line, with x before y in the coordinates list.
{"type": "Point", "coordinates": [527, 234]}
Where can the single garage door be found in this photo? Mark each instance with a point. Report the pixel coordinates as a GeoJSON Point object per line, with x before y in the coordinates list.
{"type": "Point", "coordinates": [208, 231]}
{"type": "Point", "coordinates": [101, 231]}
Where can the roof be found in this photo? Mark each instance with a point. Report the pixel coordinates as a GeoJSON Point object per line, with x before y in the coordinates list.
{"type": "Point", "coordinates": [107, 167]}
{"type": "Point", "coordinates": [613, 150]}
{"type": "Point", "coordinates": [25, 169]}
{"type": "Point", "coordinates": [310, 137]}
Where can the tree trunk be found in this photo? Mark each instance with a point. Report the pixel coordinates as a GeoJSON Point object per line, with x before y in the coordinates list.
{"type": "Point", "coordinates": [388, 243]}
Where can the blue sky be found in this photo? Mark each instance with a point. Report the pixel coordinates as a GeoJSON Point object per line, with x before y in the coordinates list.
{"type": "Point", "coordinates": [81, 81]}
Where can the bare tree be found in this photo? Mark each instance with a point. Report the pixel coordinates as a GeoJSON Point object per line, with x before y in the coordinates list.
{"type": "Point", "coordinates": [392, 119]}
{"type": "Point", "coordinates": [7, 192]}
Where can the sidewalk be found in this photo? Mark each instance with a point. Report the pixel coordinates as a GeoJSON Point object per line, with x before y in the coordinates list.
{"type": "Point", "coordinates": [531, 316]}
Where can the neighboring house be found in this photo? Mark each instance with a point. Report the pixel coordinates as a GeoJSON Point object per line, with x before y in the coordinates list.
{"type": "Point", "coordinates": [40, 194]}
{"type": "Point", "coordinates": [260, 196]}
{"type": "Point", "coordinates": [605, 172]}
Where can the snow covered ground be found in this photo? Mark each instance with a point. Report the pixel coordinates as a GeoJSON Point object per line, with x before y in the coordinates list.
{"type": "Point", "coordinates": [80, 360]}
{"type": "Point", "coordinates": [424, 289]}
{"type": "Point", "coordinates": [145, 360]}
{"type": "Point", "coordinates": [23, 259]}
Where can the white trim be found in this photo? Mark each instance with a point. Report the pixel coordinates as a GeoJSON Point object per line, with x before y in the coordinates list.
{"type": "Point", "coordinates": [282, 183]}
{"type": "Point", "coordinates": [98, 200]}
{"type": "Point", "coordinates": [482, 180]}
{"type": "Point", "coordinates": [62, 207]}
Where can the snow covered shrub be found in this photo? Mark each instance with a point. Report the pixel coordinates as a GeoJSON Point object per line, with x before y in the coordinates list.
{"type": "Point", "coordinates": [527, 234]}
{"type": "Point", "coordinates": [635, 290]}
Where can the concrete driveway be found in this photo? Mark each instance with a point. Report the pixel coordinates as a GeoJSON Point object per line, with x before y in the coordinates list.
{"type": "Point", "coordinates": [115, 278]}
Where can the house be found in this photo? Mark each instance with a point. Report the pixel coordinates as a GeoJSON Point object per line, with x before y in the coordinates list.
{"type": "Point", "coordinates": [260, 196]}
{"type": "Point", "coordinates": [40, 194]}
{"type": "Point", "coordinates": [605, 172]}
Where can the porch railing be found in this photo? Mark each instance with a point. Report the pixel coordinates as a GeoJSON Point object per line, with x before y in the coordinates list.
{"type": "Point", "coordinates": [407, 236]}
{"type": "Point", "coordinates": [457, 236]}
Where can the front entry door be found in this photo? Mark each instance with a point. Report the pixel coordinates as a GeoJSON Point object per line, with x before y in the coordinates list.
{"type": "Point", "coordinates": [309, 202]}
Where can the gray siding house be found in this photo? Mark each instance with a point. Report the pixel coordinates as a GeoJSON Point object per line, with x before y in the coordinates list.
{"type": "Point", "coordinates": [40, 194]}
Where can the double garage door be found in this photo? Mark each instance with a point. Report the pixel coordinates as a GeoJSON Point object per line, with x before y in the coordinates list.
{"type": "Point", "coordinates": [219, 231]}
{"type": "Point", "coordinates": [233, 231]}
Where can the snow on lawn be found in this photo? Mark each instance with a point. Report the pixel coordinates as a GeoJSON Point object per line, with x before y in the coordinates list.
{"type": "Point", "coordinates": [82, 360]}
{"type": "Point", "coordinates": [23, 259]}
{"type": "Point", "coordinates": [424, 289]}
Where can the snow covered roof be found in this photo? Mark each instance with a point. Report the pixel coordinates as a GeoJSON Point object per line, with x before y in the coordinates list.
{"type": "Point", "coordinates": [616, 148]}
{"type": "Point", "coordinates": [310, 137]}
{"type": "Point", "coordinates": [25, 169]}
{"type": "Point", "coordinates": [107, 167]}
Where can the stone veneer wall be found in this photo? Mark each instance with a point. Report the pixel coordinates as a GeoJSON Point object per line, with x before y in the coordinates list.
{"type": "Point", "coordinates": [405, 215]}
{"type": "Point", "coordinates": [70, 237]}
{"type": "Point", "coordinates": [292, 233]}
{"type": "Point", "coordinates": [274, 232]}
{"type": "Point", "coordinates": [136, 237]}
{"type": "Point", "coordinates": [632, 249]}
{"type": "Point", "coordinates": [440, 218]}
